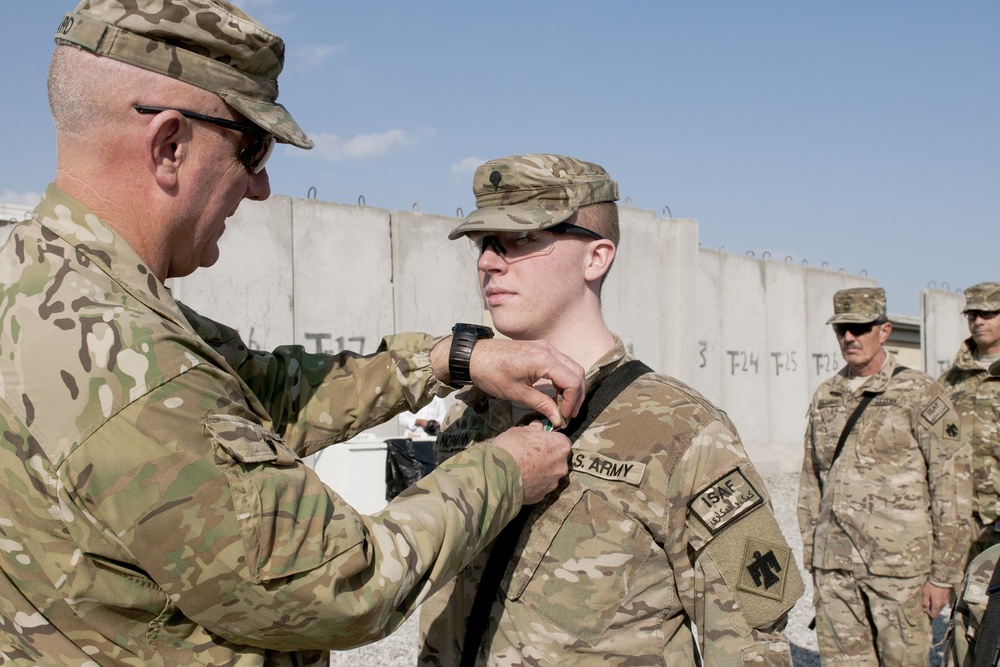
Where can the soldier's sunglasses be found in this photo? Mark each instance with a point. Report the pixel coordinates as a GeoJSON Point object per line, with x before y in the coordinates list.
{"type": "Point", "coordinates": [254, 156]}
{"type": "Point", "coordinates": [516, 246]}
{"type": "Point", "coordinates": [855, 329]}
{"type": "Point", "coordinates": [971, 315]}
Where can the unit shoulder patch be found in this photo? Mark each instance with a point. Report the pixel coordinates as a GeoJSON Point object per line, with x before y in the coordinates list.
{"type": "Point", "coordinates": [933, 412]}
{"type": "Point", "coordinates": [725, 500]}
{"type": "Point", "coordinates": [765, 569]}
{"type": "Point", "coordinates": [951, 431]}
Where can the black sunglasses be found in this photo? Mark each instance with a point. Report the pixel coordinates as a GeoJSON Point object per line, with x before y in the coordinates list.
{"type": "Point", "coordinates": [253, 157]}
{"type": "Point", "coordinates": [855, 329]}
{"type": "Point", "coordinates": [971, 315]}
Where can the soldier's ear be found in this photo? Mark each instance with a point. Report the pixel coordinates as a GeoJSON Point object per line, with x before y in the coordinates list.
{"type": "Point", "coordinates": [166, 143]}
{"type": "Point", "coordinates": [601, 252]}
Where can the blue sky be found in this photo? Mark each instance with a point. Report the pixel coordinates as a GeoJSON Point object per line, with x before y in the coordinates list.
{"type": "Point", "coordinates": [857, 134]}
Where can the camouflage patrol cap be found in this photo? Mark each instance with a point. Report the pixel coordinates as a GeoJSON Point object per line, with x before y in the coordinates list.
{"type": "Point", "coordinates": [208, 43]}
{"type": "Point", "coordinates": [984, 296]}
{"type": "Point", "coordinates": [858, 305]}
{"type": "Point", "coordinates": [534, 191]}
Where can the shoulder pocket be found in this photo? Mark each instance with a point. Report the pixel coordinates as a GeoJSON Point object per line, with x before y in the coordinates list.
{"type": "Point", "coordinates": [582, 555]}
{"type": "Point", "coordinates": [289, 520]}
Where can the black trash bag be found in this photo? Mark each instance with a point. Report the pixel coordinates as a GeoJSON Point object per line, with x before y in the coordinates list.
{"type": "Point", "coordinates": [406, 461]}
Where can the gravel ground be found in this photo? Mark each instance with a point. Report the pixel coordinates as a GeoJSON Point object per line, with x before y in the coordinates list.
{"type": "Point", "coordinates": [400, 649]}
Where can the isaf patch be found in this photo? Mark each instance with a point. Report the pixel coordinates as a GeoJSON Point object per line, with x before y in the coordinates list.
{"type": "Point", "coordinates": [725, 500]}
{"type": "Point", "coordinates": [933, 412]}
{"type": "Point", "coordinates": [765, 569]}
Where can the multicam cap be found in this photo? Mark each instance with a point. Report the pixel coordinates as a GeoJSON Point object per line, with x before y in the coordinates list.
{"type": "Point", "coordinates": [858, 305]}
{"type": "Point", "coordinates": [207, 43]}
{"type": "Point", "coordinates": [533, 191]}
{"type": "Point", "coordinates": [984, 296]}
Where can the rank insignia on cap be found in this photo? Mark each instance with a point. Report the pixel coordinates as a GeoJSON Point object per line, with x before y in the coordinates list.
{"type": "Point", "coordinates": [495, 179]}
{"type": "Point", "coordinates": [933, 412]}
{"type": "Point", "coordinates": [765, 569]}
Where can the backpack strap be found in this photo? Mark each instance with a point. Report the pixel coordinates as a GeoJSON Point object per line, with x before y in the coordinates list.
{"type": "Point", "coordinates": [988, 637]}
{"type": "Point", "coordinates": [595, 403]}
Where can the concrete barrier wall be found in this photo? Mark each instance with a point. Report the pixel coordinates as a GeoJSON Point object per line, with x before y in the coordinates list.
{"type": "Point", "coordinates": [943, 328]}
{"type": "Point", "coordinates": [747, 332]}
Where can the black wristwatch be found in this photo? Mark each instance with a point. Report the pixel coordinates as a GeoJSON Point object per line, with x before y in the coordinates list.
{"type": "Point", "coordinates": [463, 338]}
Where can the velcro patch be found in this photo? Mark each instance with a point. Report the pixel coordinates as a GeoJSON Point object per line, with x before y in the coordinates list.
{"type": "Point", "coordinates": [828, 403]}
{"type": "Point", "coordinates": [765, 569]}
{"type": "Point", "coordinates": [882, 400]}
{"type": "Point", "coordinates": [725, 500]}
{"type": "Point", "coordinates": [951, 431]}
{"type": "Point", "coordinates": [933, 412]}
{"type": "Point", "coordinates": [605, 468]}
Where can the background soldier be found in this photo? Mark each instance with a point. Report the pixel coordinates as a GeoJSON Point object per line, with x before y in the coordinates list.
{"type": "Point", "coordinates": [976, 396]}
{"type": "Point", "coordinates": [883, 503]}
{"type": "Point", "coordinates": [964, 636]}
{"type": "Point", "coordinates": [155, 508]}
{"type": "Point", "coordinates": [663, 523]}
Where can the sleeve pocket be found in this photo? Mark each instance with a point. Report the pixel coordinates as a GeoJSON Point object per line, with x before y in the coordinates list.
{"type": "Point", "coordinates": [290, 522]}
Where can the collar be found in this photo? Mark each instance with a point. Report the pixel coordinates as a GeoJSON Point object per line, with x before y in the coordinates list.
{"type": "Point", "coordinates": [94, 239]}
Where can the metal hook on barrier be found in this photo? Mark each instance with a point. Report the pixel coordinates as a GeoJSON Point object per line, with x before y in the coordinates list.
{"type": "Point", "coordinates": [628, 202]}
{"type": "Point", "coordinates": [864, 272]}
{"type": "Point", "coordinates": [416, 207]}
{"type": "Point", "coordinates": [824, 265]}
{"type": "Point", "coordinates": [459, 213]}
{"type": "Point", "coordinates": [311, 192]}
{"type": "Point", "coordinates": [750, 253]}
{"type": "Point", "coordinates": [361, 201]}
{"type": "Point", "coordinates": [945, 286]}
{"type": "Point", "coordinates": [766, 254]}
{"type": "Point", "coordinates": [666, 209]}
{"type": "Point", "coordinates": [932, 285]}
{"type": "Point", "coordinates": [789, 258]}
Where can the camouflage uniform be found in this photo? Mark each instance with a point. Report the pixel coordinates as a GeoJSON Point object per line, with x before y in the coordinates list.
{"type": "Point", "coordinates": [968, 612]}
{"type": "Point", "coordinates": [662, 524]}
{"type": "Point", "coordinates": [157, 510]}
{"type": "Point", "coordinates": [976, 396]}
{"type": "Point", "coordinates": [891, 514]}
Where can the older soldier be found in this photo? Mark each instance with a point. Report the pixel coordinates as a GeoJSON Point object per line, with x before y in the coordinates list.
{"type": "Point", "coordinates": [976, 396]}
{"type": "Point", "coordinates": [155, 508]}
{"type": "Point", "coordinates": [663, 524]}
{"type": "Point", "coordinates": [883, 496]}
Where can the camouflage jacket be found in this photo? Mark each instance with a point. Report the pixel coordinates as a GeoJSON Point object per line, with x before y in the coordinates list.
{"type": "Point", "coordinates": [662, 524]}
{"type": "Point", "coordinates": [900, 491]}
{"type": "Point", "coordinates": [968, 612]}
{"type": "Point", "coordinates": [976, 396]}
{"type": "Point", "coordinates": [156, 510]}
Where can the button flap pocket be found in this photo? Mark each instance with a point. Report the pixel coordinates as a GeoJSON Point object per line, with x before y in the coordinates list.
{"type": "Point", "coordinates": [248, 442]}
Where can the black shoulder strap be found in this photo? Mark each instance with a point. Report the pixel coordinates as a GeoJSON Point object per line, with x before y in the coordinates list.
{"type": "Point", "coordinates": [853, 419]}
{"type": "Point", "coordinates": [988, 637]}
{"type": "Point", "coordinates": [596, 402]}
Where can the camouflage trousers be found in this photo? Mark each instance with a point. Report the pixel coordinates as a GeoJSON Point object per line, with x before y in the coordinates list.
{"type": "Point", "coordinates": [985, 535]}
{"type": "Point", "coordinates": [863, 620]}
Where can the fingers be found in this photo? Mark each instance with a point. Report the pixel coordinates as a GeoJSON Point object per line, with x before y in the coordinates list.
{"type": "Point", "coordinates": [509, 369]}
{"type": "Point", "coordinates": [541, 456]}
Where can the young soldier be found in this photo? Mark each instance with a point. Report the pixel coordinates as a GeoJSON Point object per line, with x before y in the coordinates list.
{"type": "Point", "coordinates": [663, 524]}
{"type": "Point", "coordinates": [976, 396]}
{"type": "Point", "coordinates": [883, 499]}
